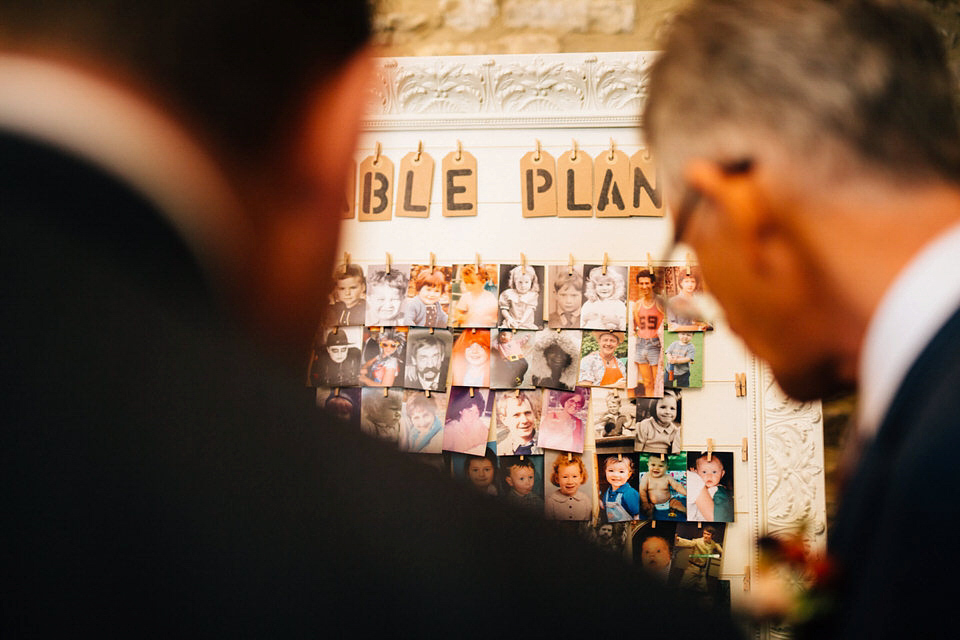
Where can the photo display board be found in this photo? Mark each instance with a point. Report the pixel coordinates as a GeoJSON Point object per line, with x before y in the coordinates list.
{"type": "Point", "coordinates": [480, 161]}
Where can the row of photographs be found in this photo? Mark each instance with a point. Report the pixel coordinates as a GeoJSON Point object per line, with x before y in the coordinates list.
{"type": "Point", "coordinates": [525, 422]}
{"type": "Point", "coordinates": [430, 359]}
{"type": "Point", "coordinates": [515, 296]}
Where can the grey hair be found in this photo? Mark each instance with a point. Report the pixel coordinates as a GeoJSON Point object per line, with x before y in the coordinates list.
{"type": "Point", "coordinates": [858, 81]}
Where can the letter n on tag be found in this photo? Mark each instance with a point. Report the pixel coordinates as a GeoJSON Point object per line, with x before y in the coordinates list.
{"type": "Point", "coordinates": [647, 197]}
{"type": "Point", "coordinates": [414, 184]}
{"type": "Point", "coordinates": [459, 186]}
{"type": "Point", "coordinates": [575, 185]}
{"type": "Point", "coordinates": [348, 207]}
{"type": "Point", "coordinates": [538, 185]}
{"type": "Point", "coordinates": [376, 188]}
{"type": "Point", "coordinates": [611, 181]}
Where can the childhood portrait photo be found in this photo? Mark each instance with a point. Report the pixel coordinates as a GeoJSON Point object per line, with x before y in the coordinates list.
{"type": "Point", "coordinates": [470, 358]}
{"type": "Point", "coordinates": [603, 357]}
{"type": "Point", "coordinates": [568, 496]}
{"type": "Point", "coordinates": [521, 296]}
{"type": "Point", "coordinates": [347, 305]}
{"type": "Point", "coordinates": [659, 423]}
{"type": "Point", "coordinates": [710, 486]}
{"type": "Point", "coordinates": [517, 422]}
{"type": "Point", "coordinates": [467, 422]}
{"type": "Point", "coordinates": [428, 296]}
{"type": "Point", "coordinates": [614, 416]}
{"type": "Point", "coordinates": [653, 548]}
{"type": "Point", "coordinates": [662, 486]}
{"type": "Point", "coordinates": [682, 359]}
{"type": "Point", "coordinates": [428, 359]}
{"type": "Point", "coordinates": [604, 298]}
{"type": "Point", "coordinates": [421, 425]}
{"type": "Point", "coordinates": [565, 295]}
{"type": "Point", "coordinates": [474, 296]}
{"type": "Point", "coordinates": [335, 359]}
{"type": "Point", "coordinates": [521, 480]}
{"type": "Point", "coordinates": [479, 471]}
{"type": "Point", "coordinates": [380, 411]}
{"type": "Point", "coordinates": [561, 426]}
{"type": "Point", "coordinates": [343, 404]}
{"type": "Point", "coordinates": [688, 305]}
{"type": "Point", "coordinates": [385, 367]}
{"type": "Point", "coordinates": [508, 358]}
{"type": "Point", "coordinates": [386, 294]}
{"type": "Point", "coordinates": [555, 358]}
{"type": "Point", "coordinates": [617, 481]}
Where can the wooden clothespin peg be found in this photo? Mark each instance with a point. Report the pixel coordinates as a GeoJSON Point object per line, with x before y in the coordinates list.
{"type": "Point", "coordinates": [388, 263]}
{"type": "Point", "coordinates": [663, 457]}
{"type": "Point", "coordinates": [576, 149]}
{"type": "Point", "coordinates": [473, 330]}
{"type": "Point", "coordinates": [743, 450]}
{"type": "Point", "coordinates": [376, 157]}
{"type": "Point", "coordinates": [653, 524]}
{"type": "Point", "coordinates": [432, 329]}
{"type": "Point", "coordinates": [689, 260]}
{"type": "Point", "coordinates": [426, 392]}
{"type": "Point", "coordinates": [336, 392]}
{"type": "Point", "coordinates": [518, 393]}
{"type": "Point", "coordinates": [346, 259]}
{"type": "Point", "coordinates": [523, 260]}
{"type": "Point", "coordinates": [386, 392]}
{"type": "Point", "coordinates": [605, 260]}
{"type": "Point", "coordinates": [471, 392]}
{"type": "Point", "coordinates": [419, 151]}
{"type": "Point", "coordinates": [570, 266]}
{"type": "Point", "coordinates": [613, 148]}
{"type": "Point", "coordinates": [649, 263]}
{"type": "Point", "coordinates": [746, 578]}
{"type": "Point", "coordinates": [478, 263]}
{"type": "Point", "coordinates": [619, 457]}
{"type": "Point", "coordinates": [699, 525]}
{"type": "Point", "coordinates": [709, 449]}
{"type": "Point", "coordinates": [536, 158]}
{"type": "Point", "coordinates": [521, 458]}
{"type": "Point", "coordinates": [459, 151]}
{"type": "Point", "coordinates": [335, 329]}
{"type": "Point", "coordinates": [741, 384]}
{"type": "Point", "coordinates": [569, 457]}
{"type": "Point", "coordinates": [433, 261]}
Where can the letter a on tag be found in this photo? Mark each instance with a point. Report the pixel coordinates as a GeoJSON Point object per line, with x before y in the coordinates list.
{"type": "Point", "coordinates": [459, 188]}
{"type": "Point", "coordinates": [611, 181]}
{"type": "Point", "coordinates": [647, 197]}
{"type": "Point", "coordinates": [376, 188]}
{"type": "Point", "coordinates": [348, 207]}
{"type": "Point", "coordinates": [575, 185]}
{"type": "Point", "coordinates": [538, 185]}
{"type": "Point", "coordinates": [414, 184]}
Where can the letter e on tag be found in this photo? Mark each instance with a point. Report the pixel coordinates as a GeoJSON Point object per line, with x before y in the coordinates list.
{"type": "Point", "coordinates": [459, 184]}
{"type": "Point", "coordinates": [575, 185]}
{"type": "Point", "coordinates": [414, 184]}
{"type": "Point", "coordinates": [538, 185]}
{"type": "Point", "coordinates": [611, 181]}
{"type": "Point", "coordinates": [376, 188]}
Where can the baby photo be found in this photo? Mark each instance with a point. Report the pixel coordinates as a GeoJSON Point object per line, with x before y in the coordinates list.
{"type": "Point", "coordinates": [565, 296]}
{"type": "Point", "coordinates": [428, 296]}
{"type": "Point", "coordinates": [653, 548]}
{"type": "Point", "coordinates": [698, 557]}
{"type": "Point", "coordinates": [688, 306]}
{"type": "Point", "coordinates": [662, 486]}
{"type": "Point", "coordinates": [335, 359]}
{"type": "Point", "coordinates": [479, 471]}
{"type": "Point", "coordinates": [521, 296]}
{"type": "Point", "coordinates": [428, 359]}
{"type": "Point", "coordinates": [710, 486]}
{"type": "Point", "coordinates": [568, 496]}
{"type": "Point", "coordinates": [386, 294]}
{"type": "Point", "coordinates": [508, 358]}
{"type": "Point", "coordinates": [659, 424]}
{"type": "Point", "coordinates": [603, 358]}
{"type": "Point", "coordinates": [380, 411]}
{"type": "Point", "coordinates": [467, 423]}
{"type": "Point", "coordinates": [617, 480]}
{"type": "Point", "coordinates": [470, 358]}
{"type": "Point", "coordinates": [555, 359]}
{"type": "Point", "coordinates": [384, 367]}
{"type": "Point", "coordinates": [682, 359]}
{"type": "Point", "coordinates": [561, 426]}
{"type": "Point", "coordinates": [344, 404]}
{"type": "Point", "coordinates": [521, 479]}
{"type": "Point", "coordinates": [613, 416]}
{"type": "Point", "coordinates": [474, 297]}
{"type": "Point", "coordinates": [421, 425]}
{"type": "Point", "coordinates": [517, 422]}
{"type": "Point", "coordinates": [347, 304]}
{"type": "Point", "coordinates": [604, 298]}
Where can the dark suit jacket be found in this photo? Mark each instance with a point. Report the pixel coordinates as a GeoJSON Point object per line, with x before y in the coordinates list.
{"type": "Point", "coordinates": [899, 519]}
{"type": "Point", "coordinates": [161, 475]}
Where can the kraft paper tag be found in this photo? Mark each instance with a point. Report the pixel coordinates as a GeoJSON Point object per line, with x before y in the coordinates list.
{"type": "Point", "coordinates": [647, 197]}
{"type": "Point", "coordinates": [459, 188]}
{"type": "Point", "coordinates": [538, 185]}
{"type": "Point", "coordinates": [414, 185]}
{"type": "Point", "coordinates": [611, 183]}
{"type": "Point", "coordinates": [349, 207]}
{"type": "Point", "coordinates": [575, 185]}
{"type": "Point", "coordinates": [376, 188]}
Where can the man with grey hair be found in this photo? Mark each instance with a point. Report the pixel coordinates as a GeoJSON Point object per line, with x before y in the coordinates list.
{"type": "Point", "coordinates": [812, 157]}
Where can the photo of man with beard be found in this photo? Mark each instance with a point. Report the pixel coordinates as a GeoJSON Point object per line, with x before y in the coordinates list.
{"type": "Point", "coordinates": [427, 360]}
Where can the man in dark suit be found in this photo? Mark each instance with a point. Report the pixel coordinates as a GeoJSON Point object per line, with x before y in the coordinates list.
{"type": "Point", "coordinates": [812, 155]}
{"type": "Point", "coordinates": [170, 174]}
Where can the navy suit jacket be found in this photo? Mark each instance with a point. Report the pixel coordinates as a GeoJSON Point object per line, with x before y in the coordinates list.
{"type": "Point", "coordinates": [161, 475]}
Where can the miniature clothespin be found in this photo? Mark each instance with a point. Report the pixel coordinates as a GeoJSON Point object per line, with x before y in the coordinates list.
{"type": "Point", "coordinates": [576, 148]}
{"type": "Point", "coordinates": [746, 578]}
{"type": "Point", "coordinates": [419, 151]}
{"type": "Point", "coordinates": [336, 392]}
{"type": "Point", "coordinates": [741, 384]}
{"type": "Point", "coordinates": [689, 260]}
{"type": "Point", "coordinates": [471, 392]}
{"type": "Point", "coordinates": [653, 524]}
{"type": "Point", "coordinates": [606, 259]}
{"type": "Point", "coordinates": [662, 456]}
{"type": "Point", "coordinates": [523, 260]}
{"type": "Point", "coordinates": [459, 151]}
{"type": "Point", "coordinates": [699, 525]}
{"type": "Point", "coordinates": [376, 157]}
{"type": "Point", "coordinates": [521, 458]}
{"type": "Point", "coordinates": [570, 266]}
{"type": "Point", "coordinates": [478, 263]}
{"type": "Point", "coordinates": [569, 457]}
{"type": "Point", "coordinates": [709, 449]}
{"type": "Point", "coordinates": [388, 263]}
{"type": "Point", "coordinates": [743, 450]}
{"type": "Point", "coordinates": [432, 329]}
{"type": "Point", "coordinates": [619, 457]}
{"type": "Point", "coordinates": [649, 263]}
{"type": "Point", "coordinates": [536, 158]}
{"type": "Point", "coordinates": [613, 147]}
{"type": "Point", "coordinates": [433, 261]}
{"type": "Point", "coordinates": [346, 259]}
{"type": "Point", "coordinates": [386, 392]}
{"type": "Point", "coordinates": [518, 393]}
{"type": "Point", "coordinates": [426, 392]}
{"type": "Point", "coordinates": [335, 329]}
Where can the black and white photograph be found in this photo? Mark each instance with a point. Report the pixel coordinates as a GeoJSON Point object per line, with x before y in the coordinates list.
{"type": "Point", "coordinates": [564, 296]}
{"type": "Point", "coordinates": [555, 359]}
{"type": "Point", "coordinates": [380, 411]}
{"type": "Point", "coordinates": [659, 423]}
{"type": "Point", "coordinates": [428, 359]}
{"type": "Point", "coordinates": [386, 294]}
{"type": "Point", "coordinates": [335, 360]}
{"type": "Point", "coordinates": [613, 415]}
{"type": "Point", "coordinates": [348, 300]}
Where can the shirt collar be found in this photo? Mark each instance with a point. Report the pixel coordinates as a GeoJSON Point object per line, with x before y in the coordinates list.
{"type": "Point", "coordinates": [129, 138]}
{"type": "Point", "coordinates": [921, 299]}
